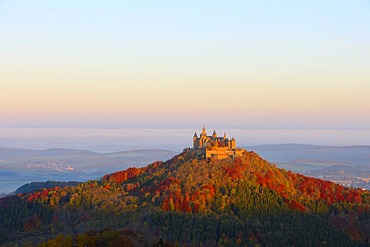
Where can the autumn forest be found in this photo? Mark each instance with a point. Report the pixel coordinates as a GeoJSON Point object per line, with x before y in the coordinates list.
{"type": "Point", "coordinates": [191, 201]}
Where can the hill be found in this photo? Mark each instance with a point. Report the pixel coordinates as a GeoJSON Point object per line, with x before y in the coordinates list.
{"type": "Point", "coordinates": [191, 200]}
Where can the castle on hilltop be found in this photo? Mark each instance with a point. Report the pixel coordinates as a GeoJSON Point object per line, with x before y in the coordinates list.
{"type": "Point", "coordinates": [214, 146]}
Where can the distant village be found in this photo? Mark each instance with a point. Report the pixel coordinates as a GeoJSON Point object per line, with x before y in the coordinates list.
{"type": "Point", "coordinates": [51, 166]}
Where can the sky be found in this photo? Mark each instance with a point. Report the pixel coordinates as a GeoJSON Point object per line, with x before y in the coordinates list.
{"type": "Point", "coordinates": [179, 64]}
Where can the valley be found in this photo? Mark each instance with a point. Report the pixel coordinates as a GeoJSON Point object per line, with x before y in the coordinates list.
{"type": "Point", "coordinates": [20, 166]}
{"type": "Point", "coordinates": [345, 165]}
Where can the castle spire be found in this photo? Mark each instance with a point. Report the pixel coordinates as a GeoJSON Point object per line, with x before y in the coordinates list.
{"type": "Point", "coordinates": [214, 135]}
{"type": "Point", "coordinates": [195, 134]}
{"type": "Point", "coordinates": [204, 132]}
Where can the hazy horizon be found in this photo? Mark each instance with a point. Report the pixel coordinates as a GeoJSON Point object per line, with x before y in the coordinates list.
{"type": "Point", "coordinates": [112, 140]}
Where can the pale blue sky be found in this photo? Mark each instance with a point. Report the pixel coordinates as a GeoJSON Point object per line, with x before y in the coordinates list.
{"type": "Point", "coordinates": [264, 64]}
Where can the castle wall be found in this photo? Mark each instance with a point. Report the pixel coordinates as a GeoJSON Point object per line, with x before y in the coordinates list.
{"type": "Point", "coordinates": [222, 153]}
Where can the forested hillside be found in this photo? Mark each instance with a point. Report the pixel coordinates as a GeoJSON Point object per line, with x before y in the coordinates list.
{"type": "Point", "coordinates": [190, 200]}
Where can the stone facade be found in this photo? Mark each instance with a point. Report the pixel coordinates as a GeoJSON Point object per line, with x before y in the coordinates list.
{"type": "Point", "coordinates": [214, 146]}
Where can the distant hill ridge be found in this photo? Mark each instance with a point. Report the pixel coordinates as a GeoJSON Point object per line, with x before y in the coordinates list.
{"type": "Point", "coordinates": [192, 200]}
{"type": "Point", "coordinates": [30, 187]}
{"type": "Point", "coordinates": [65, 151]}
{"type": "Point", "coordinates": [282, 153]}
{"type": "Point", "coordinates": [15, 156]}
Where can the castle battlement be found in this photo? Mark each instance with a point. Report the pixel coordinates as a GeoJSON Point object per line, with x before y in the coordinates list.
{"type": "Point", "coordinates": [214, 146]}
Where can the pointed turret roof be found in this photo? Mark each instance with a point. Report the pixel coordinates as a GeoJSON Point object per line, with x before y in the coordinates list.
{"type": "Point", "coordinates": [204, 132]}
{"type": "Point", "coordinates": [214, 134]}
{"type": "Point", "coordinates": [195, 134]}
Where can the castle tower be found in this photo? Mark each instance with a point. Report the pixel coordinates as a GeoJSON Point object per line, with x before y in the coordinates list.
{"type": "Point", "coordinates": [225, 136]}
{"type": "Point", "coordinates": [233, 143]}
{"type": "Point", "coordinates": [214, 135]}
{"type": "Point", "coordinates": [204, 132]}
{"type": "Point", "coordinates": [195, 140]}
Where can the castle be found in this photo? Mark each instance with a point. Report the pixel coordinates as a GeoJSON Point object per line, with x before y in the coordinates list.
{"type": "Point", "coordinates": [214, 146]}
